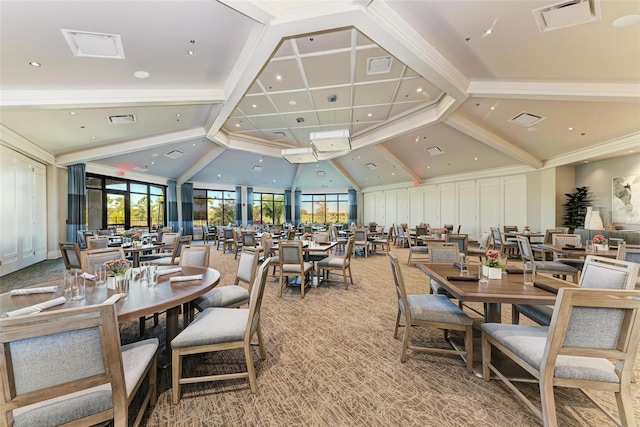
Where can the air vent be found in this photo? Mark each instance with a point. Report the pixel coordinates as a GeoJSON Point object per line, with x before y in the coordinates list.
{"type": "Point", "coordinates": [434, 151]}
{"type": "Point", "coordinates": [320, 173]}
{"type": "Point", "coordinates": [123, 119]}
{"type": "Point", "coordinates": [371, 166]}
{"type": "Point", "coordinates": [257, 168]}
{"type": "Point", "coordinates": [279, 133]}
{"type": "Point", "coordinates": [94, 45]}
{"type": "Point", "coordinates": [139, 169]}
{"type": "Point", "coordinates": [567, 14]}
{"type": "Point", "coordinates": [526, 119]}
{"type": "Point", "coordinates": [379, 65]}
{"type": "Point", "coordinates": [175, 154]}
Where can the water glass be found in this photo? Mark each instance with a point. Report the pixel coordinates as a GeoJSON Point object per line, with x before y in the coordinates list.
{"type": "Point", "coordinates": [76, 284]}
{"type": "Point", "coordinates": [149, 273]}
{"type": "Point", "coordinates": [100, 273]}
{"type": "Point", "coordinates": [464, 266]}
{"type": "Point", "coordinates": [529, 274]}
{"type": "Point", "coordinates": [70, 279]}
{"type": "Point", "coordinates": [483, 275]}
{"type": "Point", "coordinates": [122, 285]}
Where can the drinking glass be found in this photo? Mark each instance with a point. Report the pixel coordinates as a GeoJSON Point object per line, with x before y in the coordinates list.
{"type": "Point", "coordinates": [483, 276]}
{"type": "Point", "coordinates": [76, 282]}
{"type": "Point", "coordinates": [464, 266]}
{"type": "Point", "coordinates": [100, 273]}
{"type": "Point", "coordinates": [148, 273]}
{"type": "Point", "coordinates": [528, 274]}
{"type": "Point", "coordinates": [122, 285]}
{"type": "Point", "coordinates": [70, 279]}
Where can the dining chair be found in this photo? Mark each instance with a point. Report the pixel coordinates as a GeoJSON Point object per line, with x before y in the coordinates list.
{"type": "Point", "coordinates": [67, 366]}
{"type": "Point", "coordinates": [96, 257]}
{"type": "Point", "coordinates": [229, 237]}
{"type": "Point", "coordinates": [384, 241]}
{"type": "Point", "coordinates": [362, 240]}
{"type": "Point", "coordinates": [462, 240]}
{"type": "Point", "coordinates": [248, 239]}
{"type": "Point", "coordinates": [236, 243]}
{"type": "Point", "coordinates": [598, 272]}
{"type": "Point", "coordinates": [547, 240]}
{"type": "Point", "coordinates": [81, 239]}
{"type": "Point", "coordinates": [194, 255]}
{"type": "Point", "coordinates": [629, 253]}
{"type": "Point", "coordinates": [591, 343]}
{"type": "Point", "coordinates": [220, 329]}
{"type": "Point", "coordinates": [551, 267]}
{"type": "Point", "coordinates": [208, 235]}
{"type": "Point", "coordinates": [420, 231]}
{"type": "Point", "coordinates": [97, 242]}
{"type": "Point", "coordinates": [429, 311]}
{"type": "Point", "coordinates": [568, 240]}
{"type": "Point", "coordinates": [70, 255]}
{"type": "Point", "coordinates": [483, 246]}
{"type": "Point", "coordinates": [417, 253]}
{"type": "Point", "coordinates": [402, 236]}
{"type": "Point", "coordinates": [499, 243]}
{"type": "Point", "coordinates": [335, 263]}
{"type": "Point", "coordinates": [442, 253]}
{"type": "Point", "coordinates": [292, 264]}
{"type": "Point", "coordinates": [174, 257]}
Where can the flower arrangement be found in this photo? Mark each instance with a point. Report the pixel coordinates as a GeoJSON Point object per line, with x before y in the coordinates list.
{"type": "Point", "coordinates": [117, 267]}
{"type": "Point", "coordinates": [493, 259]}
{"type": "Point", "coordinates": [527, 228]}
{"type": "Point", "coordinates": [599, 239]}
{"type": "Point", "coordinates": [136, 237]}
{"type": "Point", "coordinates": [306, 236]}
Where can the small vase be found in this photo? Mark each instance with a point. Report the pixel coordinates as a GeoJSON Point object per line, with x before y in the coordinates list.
{"type": "Point", "coordinates": [604, 247]}
{"type": "Point", "coordinates": [492, 272]}
{"type": "Point", "coordinates": [111, 282]}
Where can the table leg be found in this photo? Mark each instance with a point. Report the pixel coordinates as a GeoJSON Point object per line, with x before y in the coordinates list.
{"type": "Point", "coordinates": [492, 312]}
{"type": "Point", "coordinates": [164, 354]}
{"type": "Point", "coordinates": [135, 257]}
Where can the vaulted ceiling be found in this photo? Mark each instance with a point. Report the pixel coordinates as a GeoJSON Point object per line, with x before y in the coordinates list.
{"type": "Point", "coordinates": [426, 89]}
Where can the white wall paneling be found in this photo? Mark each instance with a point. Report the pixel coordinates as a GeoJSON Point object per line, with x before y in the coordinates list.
{"type": "Point", "coordinates": [513, 192]}
{"type": "Point", "coordinates": [431, 198]}
{"type": "Point", "coordinates": [23, 215]}
{"type": "Point", "coordinates": [369, 214]}
{"type": "Point", "coordinates": [390, 207]}
{"type": "Point", "coordinates": [402, 200]}
{"type": "Point", "coordinates": [447, 204]}
{"type": "Point", "coordinates": [466, 205]}
{"type": "Point", "coordinates": [488, 203]}
{"type": "Point", "coordinates": [415, 206]}
{"type": "Point", "coordinates": [380, 212]}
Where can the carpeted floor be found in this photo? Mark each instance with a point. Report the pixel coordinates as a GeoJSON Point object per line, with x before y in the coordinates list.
{"type": "Point", "coordinates": [332, 361]}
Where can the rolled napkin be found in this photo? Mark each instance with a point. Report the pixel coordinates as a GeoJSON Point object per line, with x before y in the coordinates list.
{"type": "Point", "coordinates": [112, 299]}
{"type": "Point", "coordinates": [88, 276]}
{"type": "Point", "coordinates": [514, 271]}
{"type": "Point", "coordinates": [29, 291]}
{"type": "Point", "coordinates": [572, 248]}
{"type": "Point", "coordinates": [458, 265]}
{"type": "Point", "coordinates": [169, 271]}
{"type": "Point", "coordinates": [545, 287]}
{"type": "Point", "coordinates": [36, 308]}
{"type": "Point", "coordinates": [462, 278]}
{"type": "Point", "coordinates": [185, 278]}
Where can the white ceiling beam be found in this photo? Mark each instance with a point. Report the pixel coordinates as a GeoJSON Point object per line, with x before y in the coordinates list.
{"type": "Point", "coordinates": [505, 147]}
{"type": "Point", "coordinates": [296, 177]}
{"type": "Point", "coordinates": [210, 156]}
{"type": "Point", "coordinates": [18, 143]}
{"type": "Point", "coordinates": [346, 175]}
{"type": "Point", "coordinates": [111, 150]}
{"type": "Point", "coordinates": [63, 99]}
{"type": "Point", "coordinates": [259, 11]}
{"type": "Point", "coordinates": [629, 143]}
{"type": "Point", "coordinates": [599, 92]}
{"type": "Point", "coordinates": [395, 160]}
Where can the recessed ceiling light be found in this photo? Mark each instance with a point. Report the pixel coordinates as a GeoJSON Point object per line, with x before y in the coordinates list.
{"type": "Point", "coordinates": [260, 160]}
{"type": "Point", "coordinates": [237, 125]}
{"type": "Point", "coordinates": [278, 77]}
{"type": "Point", "coordinates": [153, 163]}
{"type": "Point", "coordinates": [274, 180]}
{"type": "Point", "coordinates": [489, 31]}
{"type": "Point", "coordinates": [493, 108]}
{"type": "Point", "coordinates": [194, 144]}
{"type": "Point", "coordinates": [254, 106]}
{"type": "Point", "coordinates": [419, 90]}
{"type": "Point", "coordinates": [35, 64]}
{"type": "Point", "coordinates": [191, 53]}
{"type": "Point", "coordinates": [475, 158]}
{"type": "Point", "coordinates": [141, 74]}
{"type": "Point", "coordinates": [219, 175]}
{"type": "Point", "coordinates": [72, 113]}
{"type": "Point", "coordinates": [393, 173]}
{"type": "Point", "coordinates": [623, 21]}
{"type": "Point", "coordinates": [292, 102]}
{"type": "Point", "coordinates": [369, 115]}
{"type": "Point", "coordinates": [570, 129]}
{"type": "Point", "coordinates": [177, 115]}
{"type": "Point", "coordinates": [428, 167]}
{"type": "Point", "coordinates": [154, 155]}
{"type": "Point", "coordinates": [93, 137]}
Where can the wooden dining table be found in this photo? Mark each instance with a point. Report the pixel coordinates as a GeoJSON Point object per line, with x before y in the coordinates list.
{"type": "Point", "coordinates": [140, 301]}
{"type": "Point", "coordinates": [579, 252]}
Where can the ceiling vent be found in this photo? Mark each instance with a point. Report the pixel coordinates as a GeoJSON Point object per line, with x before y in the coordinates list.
{"type": "Point", "coordinates": [434, 151]}
{"type": "Point", "coordinates": [257, 168]}
{"type": "Point", "coordinates": [567, 14]}
{"type": "Point", "coordinates": [279, 133]}
{"type": "Point", "coordinates": [175, 154]}
{"type": "Point", "coordinates": [371, 166]}
{"type": "Point", "coordinates": [320, 173]}
{"type": "Point", "coordinates": [379, 65]}
{"type": "Point", "coordinates": [122, 119]}
{"type": "Point", "coordinates": [526, 119]}
{"type": "Point", "coordinates": [94, 45]}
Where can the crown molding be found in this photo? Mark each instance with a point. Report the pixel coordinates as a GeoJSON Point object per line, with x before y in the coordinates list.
{"type": "Point", "coordinates": [557, 91]}
{"type": "Point", "coordinates": [12, 140]}
{"type": "Point", "coordinates": [625, 143]}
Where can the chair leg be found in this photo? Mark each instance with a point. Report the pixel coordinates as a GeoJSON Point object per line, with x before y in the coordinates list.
{"type": "Point", "coordinates": [250, 368]}
{"type": "Point", "coordinates": [176, 373]}
{"type": "Point", "coordinates": [515, 316]}
{"type": "Point", "coordinates": [468, 346]}
{"type": "Point", "coordinates": [625, 405]}
{"type": "Point", "coordinates": [280, 285]}
{"type": "Point", "coordinates": [344, 277]}
{"type": "Point", "coordinates": [395, 331]}
{"type": "Point", "coordinates": [486, 358]}
{"type": "Point", "coordinates": [547, 398]}
{"type": "Point", "coordinates": [405, 343]}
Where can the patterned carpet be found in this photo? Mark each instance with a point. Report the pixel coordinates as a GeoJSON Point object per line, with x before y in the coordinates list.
{"type": "Point", "coordinates": [332, 361]}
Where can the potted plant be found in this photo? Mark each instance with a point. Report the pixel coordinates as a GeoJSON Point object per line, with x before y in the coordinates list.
{"type": "Point", "coordinates": [600, 243]}
{"type": "Point", "coordinates": [493, 266]}
{"type": "Point", "coordinates": [575, 208]}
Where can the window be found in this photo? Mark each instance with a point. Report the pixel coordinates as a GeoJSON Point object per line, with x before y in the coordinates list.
{"type": "Point", "coordinates": [122, 204]}
{"type": "Point", "coordinates": [213, 207]}
{"type": "Point", "coordinates": [268, 208]}
{"type": "Point", "coordinates": [324, 208]}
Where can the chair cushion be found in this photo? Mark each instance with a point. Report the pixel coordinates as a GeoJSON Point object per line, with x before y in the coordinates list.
{"type": "Point", "coordinates": [541, 314]}
{"type": "Point", "coordinates": [420, 249]}
{"type": "Point", "coordinates": [331, 262]}
{"type": "Point", "coordinates": [295, 268]}
{"type": "Point", "coordinates": [528, 342]}
{"type": "Point", "coordinates": [214, 326]}
{"type": "Point", "coordinates": [222, 296]}
{"type": "Point", "coordinates": [575, 263]}
{"type": "Point", "coordinates": [435, 308]}
{"type": "Point", "coordinates": [557, 267]}
{"type": "Point", "coordinates": [64, 409]}
{"type": "Point", "coordinates": [439, 289]}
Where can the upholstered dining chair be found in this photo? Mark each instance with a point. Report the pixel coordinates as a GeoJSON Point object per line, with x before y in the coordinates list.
{"type": "Point", "coordinates": [100, 256]}
{"type": "Point", "coordinates": [462, 240]}
{"type": "Point", "coordinates": [338, 263]}
{"type": "Point", "coordinates": [219, 329]}
{"type": "Point", "coordinates": [67, 366]}
{"type": "Point", "coordinates": [591, 343]}
{"type": "Point", "coordinates": [417, 253]}
{"type": "Point", "coordinates": [97, 242]}
{"type": "Point", "coordinates": [499, 243]}
{"type": "Point", "coordinates": [70, 255]}
{"type": "Point", "coordinates": [174, 257]}
{"type": "Point", "coordinates": [551, 267]}
{"type": "Point", "coordinates": [483, 246]}
{"type": "Point", "coordinates": [598, 272]}
{"type": "Point", "coordinates": [292, 264]}
{"type": "Point", "coordinates": [430, 311]}
{"type": "Point", "coordinates": [547, 239]}
{"type": "Point", "coordinates": [402, 236]}
{"type": "Point", "coordinates": [236, 243]}
{"type": "Point", "coordinates": [629, 253]}
{"type": "Point", "coordinates": [442, 253]}
{"type": "Point", "coordinates": [566, 240]}
{"type": "Point", "coordinates": [383, 241]}
{"type": "Point", "coordinates": [362, 240]}
{"type": "Point", "coordinates": [208, 235]}
{"type": "Point", "coordinates": [195, 255]}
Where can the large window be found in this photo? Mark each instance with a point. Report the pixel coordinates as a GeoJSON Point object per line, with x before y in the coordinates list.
{"type": "Point", "coordinates": [324, 208]}
{"type": "Point", "coordinates": [213, 207]}
{"type": "Point", "coordinates": [268, 208]}
{"type": "Point", "coordinates": [122, 204]}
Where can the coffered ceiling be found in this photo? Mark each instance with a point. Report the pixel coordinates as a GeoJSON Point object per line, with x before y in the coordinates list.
{"type": "Point", "coordinates": [230, 84]}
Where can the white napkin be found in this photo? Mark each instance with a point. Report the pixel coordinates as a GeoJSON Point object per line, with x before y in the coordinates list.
{"type": "Point", "coordinates": [185, 278]}
{"type": "Point", "coordinates": [36, 308]}
{"type": "Point", "coordinates": [169, 271]}
{"type": "Point", "coordinates": [112, 299]}
{"type": "Point", "coordinates": [29, 291]}
{"type": "Point", "coordinates": [88, 276]}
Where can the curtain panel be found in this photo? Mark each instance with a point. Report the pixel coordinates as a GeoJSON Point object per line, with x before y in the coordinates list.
{"type": "Point", "coordinates": [298, 207]}
{"type": "Point", "coordinates": [172, 206]}
{"type": "Point", "coordinates": [76, 200]}
{"type": "Point", "coordinates": [249, 205]}
{"type": "Point", "coordinates": [238, 205]}
{"type": "Point", "coordinates": [287, 206]}
{"type": "Point", "coordinates": [353, 206]}
{"type": "Point", "coordinates": [187, 208]}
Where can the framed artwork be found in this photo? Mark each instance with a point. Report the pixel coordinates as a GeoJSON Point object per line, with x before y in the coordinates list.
{"type": "Point", "coordinates": [625, 203]}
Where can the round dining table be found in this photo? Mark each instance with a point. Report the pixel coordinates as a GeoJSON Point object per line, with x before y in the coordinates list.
{"type": "Point", "coordinates": [141, 300]}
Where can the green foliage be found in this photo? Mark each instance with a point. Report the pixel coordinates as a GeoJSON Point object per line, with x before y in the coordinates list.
{"type": "Point", "coordinates": [575, 208]}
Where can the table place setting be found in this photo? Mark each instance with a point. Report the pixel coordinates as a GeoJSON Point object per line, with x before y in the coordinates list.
{"type": "Point", "coordinates": [185, 278]}
{"type": "Point", "coordinates": [169, 271]}
{"type": "Point", "coordinates": [29, 291]}
{"type": "Point", "coordinates": [36, 308]}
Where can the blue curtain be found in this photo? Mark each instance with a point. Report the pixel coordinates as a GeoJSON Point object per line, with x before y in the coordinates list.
{"type": "Point", "coordinates": [287, 205]}
{"type": "Point", "coordinates": [238, 205]}
{"type": "Point", "coordinates": [249, 205]}
{"type": "Point", "coordinates": [353, 206]}
{"type": "Point", "coordinates": [76, 201]}
{"type": "Point", "coordinates": [298, 207]}
{"type": "Point", "coordinates": [172, 206]}
{"type": "Point", "coordinates": [187, 208]}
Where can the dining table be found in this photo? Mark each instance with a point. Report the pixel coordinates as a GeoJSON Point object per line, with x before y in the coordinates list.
{"type": "Point", "coordinates": [579, 252]}
{"type": "Point", "coordinates": [136, 250]}
{"type": "Point", "coordinates": [141, 300]}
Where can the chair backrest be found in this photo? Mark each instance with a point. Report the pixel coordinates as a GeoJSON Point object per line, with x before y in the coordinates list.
{"type": "Point", "coordinates": [228, 234]}
{"type": "Point", "coordinates": [628, 252]}
{"type": "Point", "coordinates": [461, 239]}
{"type": "Point", "coordinates": [421, 231]}
{"type": "Point", "coordinates": [256, 293]}
{"type": "Point", "coordinates": [52, 354]}
{"type": "Point", "coordinates": [400, 289]}
{"type": "Point", "coordinates": [496, 236]}
{"type": "Point", "coordinates": [442, 252]}
{"type": "Point", "coordinates": [483, 243]}
{"type": "Point", "coordinates": [267, 244]}
{"type": "Point", "coordinates": [169, 238]}
{"type": "Point", "coordinates": [595, 323]}
{"type": "Point", "coordinates": [195, 255]}
{"type": "Point", "coordinates": [290, 252]}
{"type": "Point", "coordinates": [70, 255]}
{"type": "Point", "coordinates": [606, 273]}
{"type": "Point", "coordinates": [100, 256]}
{"type": "Point", "coordinates": [566, 239]}
{"type": "Point", "coordinates": [321, 237]}
{"type": "Point", "coordinates": [333, 233]}
{"type": "Point", "coordinates": [248, 239]}
{"type": "Point", "coordinates": [405, 227]}
{"type": "Point", "coordinates": [291, 234]}
{"type": "Point", "coordinates": [399, 231]}
{"type": "Point", "coordinates": [449, 227]}
{"type": "Point", "coordinates": [180, 242]}
{"type": "Point", "coordinates": [510, 228]}
{"type": "Point", "coordinates": [307, 229]}
{"type": "Point", "coordinates": [247, 266]}
{"type": "Point", "coordinates": [105, 232]}
{"type": "Point", "coordinates": [361, 235]}
{"type": "Point", "coordinates": [525, 250]}
{"type": "Point", "coordinates": [348, 251]}
{"type": "Point", "coordinates": [95, 242]}
{"type": "Point", "coordinates": [82, 240]}
{"type": "Point", "coordinates": [548, 234]}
